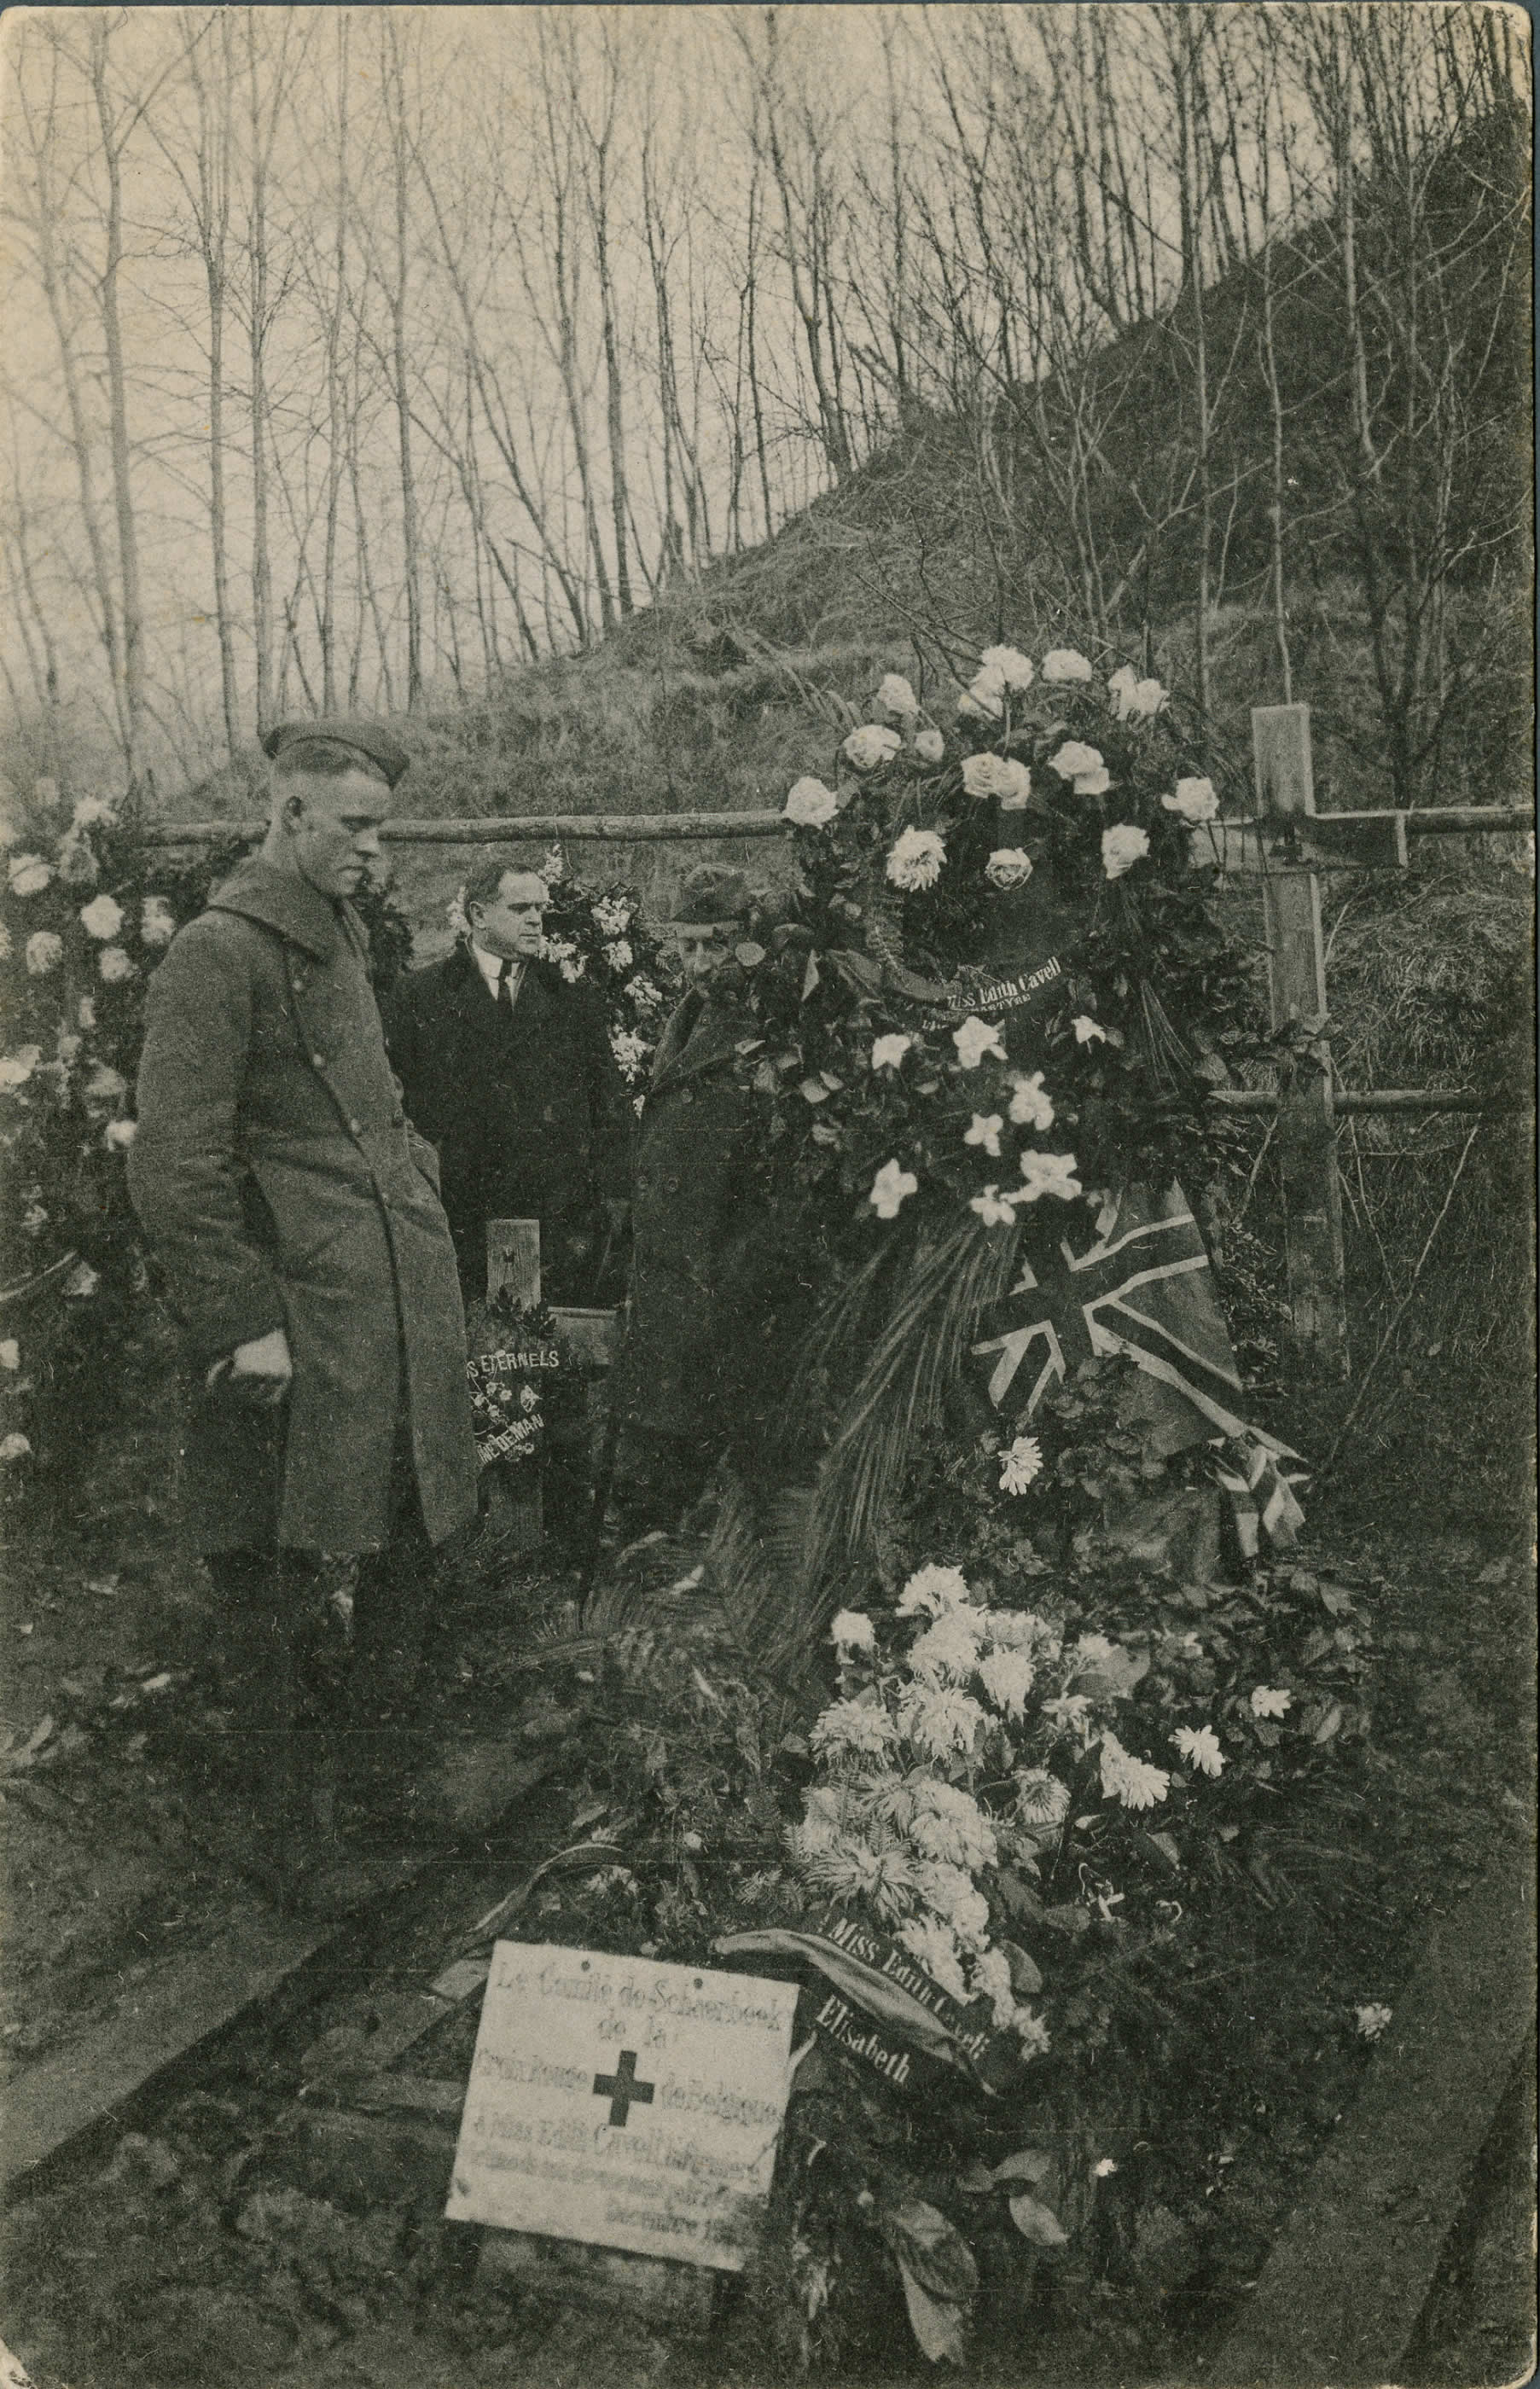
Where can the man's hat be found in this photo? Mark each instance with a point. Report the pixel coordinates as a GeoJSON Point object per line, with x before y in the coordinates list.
{"type": "Point", "coordinates": [342, 729]}
{"type": "Point", "coordinates": [709, 894]}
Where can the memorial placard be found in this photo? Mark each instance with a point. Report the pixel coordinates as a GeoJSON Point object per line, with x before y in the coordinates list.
{"type": "Point", "coordinates": [625, 2103]}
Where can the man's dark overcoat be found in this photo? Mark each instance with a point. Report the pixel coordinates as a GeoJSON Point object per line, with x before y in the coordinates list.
{"type": "Point", "coordinates": [528, 1109]}
{"type": "Point", "coordinates": [707, 1358]}
{"type": "Point", "coordinates": [279, 1185]}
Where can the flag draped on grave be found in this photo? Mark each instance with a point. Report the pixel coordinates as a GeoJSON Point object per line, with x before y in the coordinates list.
{"type": "Point", "coordinates": [1139, 1284]}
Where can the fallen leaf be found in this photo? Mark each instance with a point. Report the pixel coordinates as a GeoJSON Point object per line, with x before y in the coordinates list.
{"type": "Point", "coordinates": [930, 2248]}
{"type": "Point", "coordinates": [1027, 2165]}
{"type": "Point", "coordinates": [1025, 1979]}
{"type": "Point", "coordinates": [1038, 2223]}
{"type": "Point", "coordinates": [935, 2322]}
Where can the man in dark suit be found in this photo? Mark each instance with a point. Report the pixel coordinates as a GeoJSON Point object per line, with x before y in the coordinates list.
{"type": "Point", "coordinates": [507, 1068]}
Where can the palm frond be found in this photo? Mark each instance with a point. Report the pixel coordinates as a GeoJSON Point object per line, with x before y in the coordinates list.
{"type": "Point", "coordinates": [756, 1563]}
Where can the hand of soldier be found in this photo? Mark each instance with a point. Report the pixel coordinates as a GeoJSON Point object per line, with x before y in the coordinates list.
{"type": "Point", "coordinates": [260, 1372]}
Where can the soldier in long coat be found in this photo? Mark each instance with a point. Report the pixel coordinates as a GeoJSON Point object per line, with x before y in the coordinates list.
{"type": "Point", "coordinates": [293, 1213]}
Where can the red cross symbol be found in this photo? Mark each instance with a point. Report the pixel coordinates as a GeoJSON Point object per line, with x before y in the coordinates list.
{"type": "Point", "coordinates": [622, 2089]}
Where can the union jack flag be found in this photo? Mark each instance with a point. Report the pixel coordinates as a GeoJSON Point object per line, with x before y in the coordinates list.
{"type": "Point", "coordinates": [1141, 1286]}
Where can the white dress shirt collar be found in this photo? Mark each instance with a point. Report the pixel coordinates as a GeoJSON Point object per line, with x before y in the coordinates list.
{"type": "Point", "coordinates": [492, 967]}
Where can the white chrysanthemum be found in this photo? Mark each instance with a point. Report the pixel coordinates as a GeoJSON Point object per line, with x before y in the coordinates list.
{"type": "Point", "coordinates": [1270, 1701]}
{"type": "Point", "coordinates": [1006, 1677]}
{"type": "Point", "coordinates": [1020, 1630]}
{"type": "Point", "coordinates": [873, 744]}
{"type": "Point", "coordinates": [889, 1051]}
{"type": "Point", "coordinates": [1199, 1746]}
{"type": "Point", "coordinates": [936, 1949]}
{"type": "Point", "coordinates": [1373, 2019]}
{"type": "Point", "coordinates": [93, 812]}
{"type": "Point", "coordinates": [619, 955]}
{"type": "Point", "coordinates": [985, 1131]}
{"type": "Point", "coordinates": [848, 1868]}
{"type": "Point", "coordinates": [643, 993]}
{"type": "Point", "coordinates": [1041, 1799]}
{"type": "Point", "coordinates": [996, 1210]}
{"type": "Point", "coordinates": [992, 1982]}
{"type": "Point", "coordinates": [1048, 1173]}
{"type": "Point", "coordinates": [28, 874]}
{"type": "Point", "coordinates": [103, 917]}
{"type": "Point", "coordinates": [1122, 847]}
{"type": "Point", "coordinates": [997, 776]}
{"type": "Point", "coordinates": [976, 1038]}
{"type": "Point", "coordinates": [1194, 801]}
{"type": "Point", "coordinates": [942, 1721]}
{"type": "Point", "coordinates": [1009, 866]}
{"type": "Point", "coordinates": [43, 949]}
{"type": "Point", "coordinates": [119, 1134]}
{"type": "Point", "coordinates": [948, 1650]}
{"type": "Point", "coordinates": [852, 1630]}
{"type": "Point", "coordinates": [114, 965]}
{"type": "Point", "coordinates": [1065, 664]}
{"type": "Point", "coordinates": [1093, 1650]}
{"type": "Point", "coordinates": [894, 696]}
{"type": "Point", "coordinates": [1130, 1780]}
{"type": "Point", "coordinates": [948, 1827]}
{"type": "Point", "coordinates": [1021, 1464]}
{"type": "Point", "coordinates": [613, 916]}
{"type": "Point", "coordinates": [860, 1730]}
{"type": "Point", "coordinates": [916, 858]}
{"type": "Point", "coordinates": [629, 1050]}
{"type": "Point", "coordinates": [891, 1188]}
{"type": "Point", "coordinates": [932, 1589]}
{"type": "Point", "coordinates": [954, 1897]}
{"type": "Point", "coordinates": [1068, 1712]}
{"type": "Point", "coordinates": [1030, 1107]}
{"type": "Point", "coordinates": [1008, 666]}
{"type": "Point", "coordinates": [929, 746]}
{"type": "Point", "coordinates": [1086, 1030]}
{"type": "Point", "coordinates": [809, 805]}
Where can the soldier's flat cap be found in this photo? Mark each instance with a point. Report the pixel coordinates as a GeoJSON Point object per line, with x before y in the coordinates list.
{"type": "Point", "coordinates": [367, 738]}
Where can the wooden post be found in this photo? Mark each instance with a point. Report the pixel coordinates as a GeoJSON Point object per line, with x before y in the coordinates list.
{"type": "Point", "coordinates": [513, 1262]}
{"type": "Point", "coordinates": [1296, 989]}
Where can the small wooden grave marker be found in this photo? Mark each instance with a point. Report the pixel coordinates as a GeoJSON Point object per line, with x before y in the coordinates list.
{"type": "Point", "coordinates": [513, 1262]}
{"type": "Point", "coordinates": [624, 2102]}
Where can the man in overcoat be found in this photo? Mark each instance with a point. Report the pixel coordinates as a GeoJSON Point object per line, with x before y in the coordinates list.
{"type": "Point", "coordinates": [714, 1274]}
{"type": "Point", "coordinates": [507, 1068]}
{"type": "Point", "coordinates": [293, 1212]}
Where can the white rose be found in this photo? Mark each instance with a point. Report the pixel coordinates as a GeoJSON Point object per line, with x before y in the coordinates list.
{"type": "Point", "coordinates": [929, 746]}
{"type": "Point", "coordinates": [28, 874]}
{"type": "Point", "coordinates": [43, 949]}
{"type": "Point", "coordinates": [114, 965]}
{"type": "Point", "coordinates": [1008, 666]}
{"type": "Point", "coordinates": [891, 1187]}
{"type": "Point", "coordinates": [119, 1134]}
{"type": "Point", "coordinates": [1075, 759]}
{"type": "Point", "coordinates": [18, 1067]}
{"type": "Point", "coordinates": [1009, 866]}
{"type": "Point", "coordinates": [105, 1085]}
{"type": "Point", "coordinates": [810, 805]}
{"type": "Point", "coordinates": [13, 1446]}
{"type": "Point", "coordinates": [1122, 847]}
{"type": "Point", "coordinates": [916, 858]}
{"type": "Point", "coordinates": [984, 697]}
{"type": "Point", "coordinates": [852, 1630]}
{"type": "Point", "coordinates": [1094, 783]}
{"type": "Point", "coordinates": [1136, 699]}
{"type": "Point", "coordinates": [157, 927]}
{"type": "Point", "coordinates": [998, 775]}
{"type": "Point", "coordinates": [871, 745]}
{"type": "Point", "coordinates": [974, 1039]}
{"type": "Point", "coordinates": [1062, 664]}
{"type": "Point", "coordinates": [896, 696]}
{"type": "Point", "coordinates": [1195, 800]}
{"type": "Point", "coordinates": [103, 917]}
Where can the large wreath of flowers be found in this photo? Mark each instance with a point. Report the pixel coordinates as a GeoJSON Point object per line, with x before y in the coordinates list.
{"type": "Point", "coordinates": [892, 1073]}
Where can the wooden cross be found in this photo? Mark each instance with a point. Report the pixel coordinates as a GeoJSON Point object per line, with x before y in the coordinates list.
{"type": "Point", "coordinates": [622, 2089]}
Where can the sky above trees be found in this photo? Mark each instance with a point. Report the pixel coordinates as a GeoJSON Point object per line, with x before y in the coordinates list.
{"type": "Point", "coordinates": [354, 357]}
